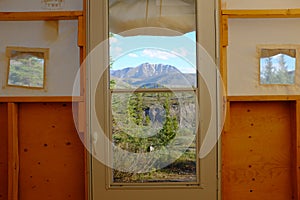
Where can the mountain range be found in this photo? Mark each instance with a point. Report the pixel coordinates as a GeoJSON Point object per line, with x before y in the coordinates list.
{"type": "Point", "coordinates": [148, 75]}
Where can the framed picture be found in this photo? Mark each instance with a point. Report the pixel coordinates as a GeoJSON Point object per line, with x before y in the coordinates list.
{"type": "Point", "coordinates": [27, 67]}
{"type": "Point", "coordinates": [277, 64]}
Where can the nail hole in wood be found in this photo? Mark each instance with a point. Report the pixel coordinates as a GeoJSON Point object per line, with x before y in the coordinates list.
{"type": "Point", "coordinates": [68, 143]}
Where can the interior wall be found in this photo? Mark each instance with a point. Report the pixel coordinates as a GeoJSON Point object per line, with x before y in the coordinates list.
{"type": "Point", "coordinates": [257, 151]}
{"type": "Point", "coordinates": [35, 5]}
{"type": "Point", "coordinates": [60, 37]}
{"type": "Point", "coordinates": [51, 155]}
{"type": "Point", "coordinates": [242, 62]}
{"type": "Point", "coordinates": [258, 4]}
{"type": "Point", "coordinates": [51, 161]}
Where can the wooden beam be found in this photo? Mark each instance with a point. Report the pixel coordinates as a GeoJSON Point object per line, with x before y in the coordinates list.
{"type": "Point", "coordinates": [82, 106]}
{"type": "Point", "coordinates": [82, 45]}
{"type": "Point", "coordinates": [223, 67]}
{"type": "Point", "coordinates": [223, 49]}
{"type": "Point", "coordinates": [13, 152]}
{"type": "Point", "coordinates": [297, 152]}
{"type": "Point", "coordinates": [32, 16]}
{"type": "Point", "coordinates": [264, 98]}
{"type": "Point", "coordinates": [81, 117]}
{"type": "Point", "coordinates": [224, 31]}
{"type": "Point", "coordinates": [81, 31]}
{"type": "Point", "coordinates": [37, 99]}
{"type": "Point", "coordinates": [226, 126]}
{"type": "Point", "coordinates": [295, 156]}
{"type": "Point", "coordinates": [272, 13]}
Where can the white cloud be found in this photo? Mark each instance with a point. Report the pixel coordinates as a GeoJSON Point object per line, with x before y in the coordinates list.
{"type": "Point", "coordinates": [113, 40]}
{"type": "Point", "coordinates": [153, 53]}
{"type": "Point", "coordinates": [116, 51]}
{"type": "Point", "coordinates": [187, 70]}
{"type": "Point", "coordinates": [180, 52]}
{"type": "Point", "coordinates": [133, 55]}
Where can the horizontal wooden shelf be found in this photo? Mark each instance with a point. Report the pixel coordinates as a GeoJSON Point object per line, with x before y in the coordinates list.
{"type": "Point", "coordinates": [41, 99]}
{"type": "Point", "coordinates": [276, 13]}
{"type": "Point", "coordinates": [264, 98]}
{"type": "Point", "coordinates": [33, 16]}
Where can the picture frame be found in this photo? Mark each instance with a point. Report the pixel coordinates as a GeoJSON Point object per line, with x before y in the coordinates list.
{"type": "Point", "coordinates": [26, 67]}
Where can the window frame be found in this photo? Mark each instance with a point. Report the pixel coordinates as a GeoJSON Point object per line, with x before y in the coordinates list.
{"type": "Point", "coordinates": [97, 101]}
{"type": "Point", "coordinates": [110, 91]}
{"type": "Point", "coordinates": [194, 184]}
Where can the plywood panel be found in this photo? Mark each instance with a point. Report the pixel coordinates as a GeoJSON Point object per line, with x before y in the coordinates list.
{"type": "Point", "coordinates": [51, 154]}
{"type": "Point", "coordinates": [256, 152]}
{"type": "Point", "coordinates": [3, 151]}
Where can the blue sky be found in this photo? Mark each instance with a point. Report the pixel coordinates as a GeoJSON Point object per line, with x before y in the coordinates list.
{"type": "Point", "coordinates": [179, 51]}
{"type": "Point", "coordinates": [290, 62]}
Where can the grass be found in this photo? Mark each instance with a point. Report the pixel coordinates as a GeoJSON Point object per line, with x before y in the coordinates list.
{"type": "Point", "coordinates": [182, 170]}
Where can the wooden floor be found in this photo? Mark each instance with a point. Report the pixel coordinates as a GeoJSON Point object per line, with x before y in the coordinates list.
{"type": "Point", "coordinates": [257, 152]}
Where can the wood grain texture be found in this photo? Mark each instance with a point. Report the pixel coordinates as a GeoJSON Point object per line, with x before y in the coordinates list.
{"type": "Point", "coordinates": [224, 31]}
{"type": "Point", "coordinates": [13, 151]}
{"type": "Point", "coordinates": [256, 152]}
{"type": "Point", "coordinates": [3, 152]}
{"type": "Point", "coordinates": [39, 99]}
{"type": "Point", "coordinates": [81, 30]}
{"type": "Point", "coordinates": [51, 153]}
{"type": "Point", "coordinates": [83, 94]}
{"type": "Point", "coordinates": [32, 16]}
{"type": "Point", "coordinates": [264, 98]}
{"type": "Point", "coordinates": [223, 50]}
{"type": "Point", "coordinates": [297, 150]}
{"type": "Point", "coordinates": [271, 13]}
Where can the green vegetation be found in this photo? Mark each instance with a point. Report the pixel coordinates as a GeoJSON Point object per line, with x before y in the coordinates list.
{"type": "Point", "coordinates": [26, 71]}
{"type": "Point", "coordinates": [152, 120]}
{"type": "Point", "coordinates": [139, 121]}
{"type": "Point", "coordinates": [182, 170]}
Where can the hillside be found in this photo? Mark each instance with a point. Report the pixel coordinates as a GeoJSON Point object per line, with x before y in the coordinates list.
{"type": "Point", "coordinates": [153, 76]}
